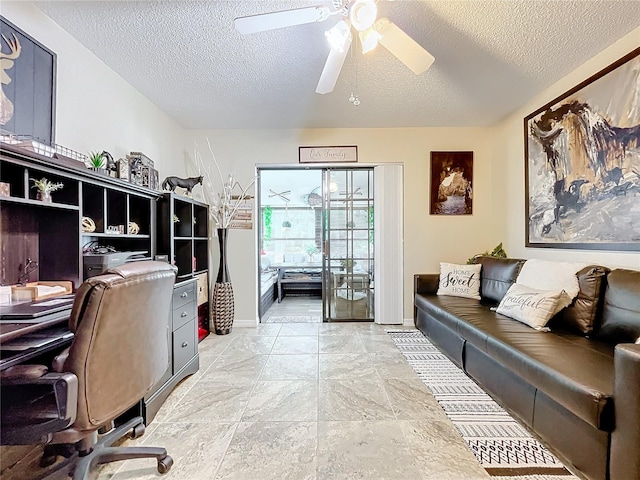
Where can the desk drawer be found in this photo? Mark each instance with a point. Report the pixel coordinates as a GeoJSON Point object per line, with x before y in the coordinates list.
{"type": "Point", "coordinates": [183, 314]}
{"type": "Point", "coordinates": [184, 345]}
{"type": "Point", "coordinates": [183, 294]}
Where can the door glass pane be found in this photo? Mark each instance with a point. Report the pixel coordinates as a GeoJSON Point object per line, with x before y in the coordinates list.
{"type": "Point", "coordinates": [349, 246]}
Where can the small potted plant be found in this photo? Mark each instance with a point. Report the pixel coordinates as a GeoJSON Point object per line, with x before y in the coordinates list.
{"type": "Point", "coordinates": [347, 264]}
{"type": "Point", "coordinates": [311, 251]}
{"type": "Point", "coordinates": [97, 162]}
{"type": "Point", "coordinates": [45, 187]}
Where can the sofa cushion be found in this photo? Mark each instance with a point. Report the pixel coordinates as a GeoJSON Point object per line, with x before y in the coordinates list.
{"type": "Point", "coordinates": [459, 280]}
{"type": "Point", "coordinates": [583, 314]}
{"type": "Point", "coordinates": [621, 310]}
{"type": "Point", "coordinates": [576, 372]}
{"type": "Point", "coordinates": [498, 274]}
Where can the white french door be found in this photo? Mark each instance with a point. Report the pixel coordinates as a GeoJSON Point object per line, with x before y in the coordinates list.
{"type": "Point", "coordinates": [348, 248]}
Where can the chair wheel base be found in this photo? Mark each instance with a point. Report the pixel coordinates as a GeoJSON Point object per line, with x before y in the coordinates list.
{"type": "Point", "coordinates": [165, 464]}
{"type": "Point", "coordinates": [138, 431]}
{"type": "Point", "coordinates": [48, 460]}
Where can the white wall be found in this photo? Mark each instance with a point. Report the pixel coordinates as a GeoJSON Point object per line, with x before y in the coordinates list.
{"type": "Point", "coordinates": [95, 108]}
{"type": "Point", "coordinates": [428, 239]}
{"type": "Point", "coordinates": [509, 151]}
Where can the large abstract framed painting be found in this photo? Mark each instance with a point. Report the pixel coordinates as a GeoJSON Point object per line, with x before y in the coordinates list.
{"type": "Point", "coordinates": [582, 164]}
{"type": "Point", "coordinates": [451, 190]}
{"type": "Point", "coordinates": [27, 98]}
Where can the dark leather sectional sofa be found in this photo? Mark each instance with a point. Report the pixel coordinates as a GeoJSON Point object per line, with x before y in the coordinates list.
{"type": "Point", "coordinates": [576, 387]}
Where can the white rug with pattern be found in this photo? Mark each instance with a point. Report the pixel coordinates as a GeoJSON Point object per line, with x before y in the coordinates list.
{"type": "Point", "coordinates": [501, 445]}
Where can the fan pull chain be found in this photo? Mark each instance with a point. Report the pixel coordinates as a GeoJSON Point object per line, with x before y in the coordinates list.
{"type": "Point", "coordinates": [353, 99]}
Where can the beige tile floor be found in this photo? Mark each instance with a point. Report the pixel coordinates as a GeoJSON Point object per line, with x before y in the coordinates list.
{"type": "Point", "coordinates": [295, 309]}
{"type": "Point", "coordinates": [303, 401]}
{"type": "Point", "coordinates": [294, 401]}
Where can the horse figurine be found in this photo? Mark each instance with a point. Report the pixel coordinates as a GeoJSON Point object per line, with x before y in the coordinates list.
{"type": "Point", "coordinates": [172, 182]}
{"type": "Point", "coordinates": [110, 163]}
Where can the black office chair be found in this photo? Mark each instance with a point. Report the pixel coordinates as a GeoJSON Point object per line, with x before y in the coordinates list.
{"type": "Point", "coordinates": [118, 353]}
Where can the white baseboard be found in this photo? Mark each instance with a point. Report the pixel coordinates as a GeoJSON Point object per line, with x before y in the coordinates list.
{"type": "Point", "coordinates": [408, 322]}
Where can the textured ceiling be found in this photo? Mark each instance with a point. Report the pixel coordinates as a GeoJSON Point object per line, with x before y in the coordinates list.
{"type": "Point", "coordinates": [491, 57]}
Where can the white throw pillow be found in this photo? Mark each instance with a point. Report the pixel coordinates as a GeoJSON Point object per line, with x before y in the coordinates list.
{"type": "Point", "coordinates": [551, 275]}
{"type": "Point", "coordinates": [531, 306]}
{"type": "Point", "coordinates": [459, 280]}
{"type": "Point", "coordinates": [638, 341]}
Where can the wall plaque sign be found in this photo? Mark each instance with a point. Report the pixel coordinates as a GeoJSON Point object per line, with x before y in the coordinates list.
{"type": "Point", "coordinates": [344, 154]}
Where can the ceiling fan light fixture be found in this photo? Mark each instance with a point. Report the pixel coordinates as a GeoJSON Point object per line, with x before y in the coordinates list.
{"type": "Point", "coordinates": [369, 39]}
{"type": "Point", "coordinates": [338, 36]}
{"type": "Point", "coordinates": [362, 14]}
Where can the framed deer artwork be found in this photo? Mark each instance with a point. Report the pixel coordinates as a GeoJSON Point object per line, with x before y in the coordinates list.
{"type": "Point", "coordinates": [28, 74]}
{"type": "Point", "coordinates": [582, 164]}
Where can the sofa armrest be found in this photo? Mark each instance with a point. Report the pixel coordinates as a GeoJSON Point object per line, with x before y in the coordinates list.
{"type": "Point", "coordinates": [625, 439]}
{"type": "Point", "coordinates": [426, 283]}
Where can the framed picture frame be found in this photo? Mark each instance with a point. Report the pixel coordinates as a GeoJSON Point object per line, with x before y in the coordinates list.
{"type": "Point", "coordinates": [451, 187]}
{"type": "Point", "coordinates": [28, 72]}
{"type": "Point", "coordinates": [123, 170]}
{"type": "Point", "coordinates": [582, 164]}
{"type": "Point", "coordinates": [344, 154]}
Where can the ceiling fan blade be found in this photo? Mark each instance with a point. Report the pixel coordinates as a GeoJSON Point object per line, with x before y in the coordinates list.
{"type": "Point", "coordinates": [332, 68]}
{"type": "Point", "coordinates": [285, 18]}
{"type": "Point", "coordinates": [405, 48]}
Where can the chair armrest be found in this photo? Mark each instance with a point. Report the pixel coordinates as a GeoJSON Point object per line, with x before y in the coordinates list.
{"type": "Point", "coordinates": [58, 362]}
{"type": "Point", "coordinates": [426, 283]}
{"type": "Point", "coordinates": [35, 408]}
{"type": "Point", "coordinates": [625, 439]}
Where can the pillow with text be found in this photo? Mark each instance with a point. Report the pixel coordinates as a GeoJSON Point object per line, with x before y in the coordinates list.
{"type": "Point", "coordinates": [531, 306]}
{"type": "Point", "coordinates": [459, 280]}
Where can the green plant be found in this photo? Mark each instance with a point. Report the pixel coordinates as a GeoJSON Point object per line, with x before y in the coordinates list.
{"type": "Point", "coordinates": [267, 212]}
{"type": "Point", "coordinates": [45, 185]}
{"type": "Point", "coordinates": [96, 159]}
{"type": "Point", "coordinates": [348, 264]}
{"type": "Point", "coordinates": [496, 252]}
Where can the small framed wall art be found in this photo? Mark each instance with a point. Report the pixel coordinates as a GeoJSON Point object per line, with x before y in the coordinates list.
{"type": "Point", "coordinates": [347, 154]}
{"type": "Point", "coordinates": [451, 190]}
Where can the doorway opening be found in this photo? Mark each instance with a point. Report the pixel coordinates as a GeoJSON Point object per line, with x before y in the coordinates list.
{"type": "Point", "coordinates": [316, 244]}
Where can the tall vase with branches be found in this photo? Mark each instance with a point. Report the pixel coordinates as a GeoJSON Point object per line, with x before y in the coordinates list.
{"type": "Point", "coordinates": [224, 197]}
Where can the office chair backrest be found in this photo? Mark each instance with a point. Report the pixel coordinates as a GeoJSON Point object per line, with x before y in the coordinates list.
{"type": "Point", "coordinates": [120, 349]}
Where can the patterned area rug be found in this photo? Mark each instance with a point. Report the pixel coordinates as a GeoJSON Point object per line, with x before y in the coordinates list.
{"type": "Point", "coordinates": [501, 445]}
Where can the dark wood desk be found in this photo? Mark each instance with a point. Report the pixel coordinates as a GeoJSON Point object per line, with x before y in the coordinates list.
{"type": "Point", "coordinates": [10, 330]}
{"type": "Point", "coordinates": [54, 325]}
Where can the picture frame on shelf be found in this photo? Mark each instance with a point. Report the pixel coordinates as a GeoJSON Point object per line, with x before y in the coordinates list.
{"type": "Point", "coordinates": [582, 152]}
{"type": "Point", "coordinates": [123, 170]}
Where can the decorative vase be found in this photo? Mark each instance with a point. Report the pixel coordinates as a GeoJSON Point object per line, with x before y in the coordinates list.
{"type": "Point", "coordinates": [223, 307]}
{"type": "Point", "coordinates": [44, 196]}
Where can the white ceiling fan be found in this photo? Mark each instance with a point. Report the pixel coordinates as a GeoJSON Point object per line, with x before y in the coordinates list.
{"type": "Point", "coordinates": [361, 15]}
